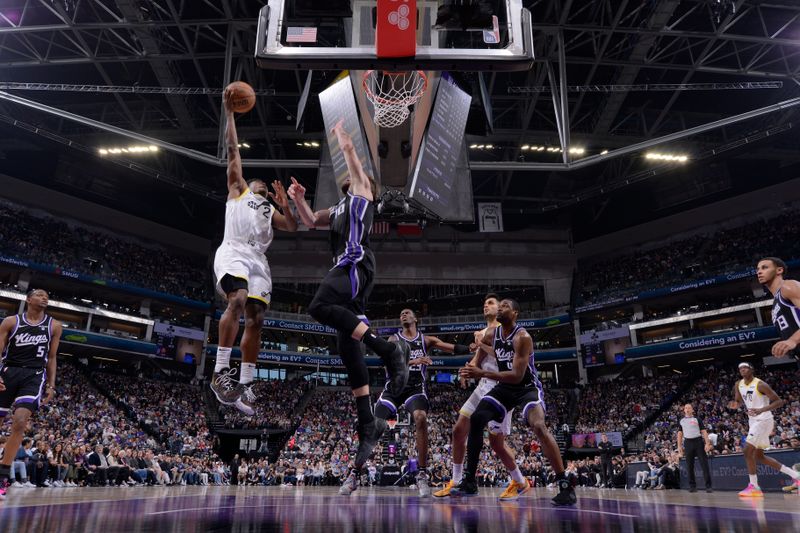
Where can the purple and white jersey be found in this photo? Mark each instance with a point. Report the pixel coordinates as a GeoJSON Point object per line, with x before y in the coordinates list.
{"type": "Point", "coordinates": [29, 344]}
{"type": "Point", "coordinates": [504, 353]}
{"type": "Point", "coordinates": [351, 221]}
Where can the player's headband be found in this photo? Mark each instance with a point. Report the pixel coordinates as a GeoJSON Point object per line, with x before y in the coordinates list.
{"type": "Point", "coordinates": [745, 364]}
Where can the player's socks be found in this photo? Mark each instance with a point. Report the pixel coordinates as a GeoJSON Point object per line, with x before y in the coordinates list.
{"type": "Point", "coordinates": [517, 476]}
{"type": "Point", "coordinates": [223, 359]}
{"type": "Point", "coordinates": [754, 480]}
{"type": "Point", "coordinates": [5, 472]}
{"type": "Point", "coordinates": [458, 473]}
{"type": "Point", "coordinates": [246, 373]}
{"type": "Point", "coordinates": [790, 472]}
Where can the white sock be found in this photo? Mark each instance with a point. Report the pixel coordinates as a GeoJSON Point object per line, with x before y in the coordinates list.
{"type": "Point", "coordinates": [246, 373]}
{"type": "Point", "coordinates": [458, 472]}
{"type": "Point", "coordinates": [223, 359]}
{"type": "Point", "coordinates": [517, 476]}
{"type": "Point", "coordinates": [790, 472]}
{"type": "Point", "coordinates": [754, 480]}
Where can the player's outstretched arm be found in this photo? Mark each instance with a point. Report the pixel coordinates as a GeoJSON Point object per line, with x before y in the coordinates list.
{"type": "Point", "coordinates": [312, 219]}
{"type": "Point", "coordinates": [439, 344]}
{"type": "Point", "coordinates": [283, 220]}
{"type": "Point", "coordinates": [359, 181]}
{"type": "Point", "coordinates": [236, 183]}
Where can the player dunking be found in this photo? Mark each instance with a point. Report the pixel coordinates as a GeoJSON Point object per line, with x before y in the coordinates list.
{"type": "Point", "coordinates": [518, 386]}
{"type": "Point", "coordinates": [497, 430]}
{"type": "Point", "coordinates": [340, 301]}
{"type": "Point", "coordinates": [760, 400]}
{"type": "Point", "coordinates": [242, 271]}
{"type": "Point", "coordinates": [786, 306]}
{"type": "Point", "coordinates": [414, 397]}
{"type": "Point", "coordinates": [29, 344]}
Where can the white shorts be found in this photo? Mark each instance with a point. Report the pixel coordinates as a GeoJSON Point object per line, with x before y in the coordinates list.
{"type": "Point", "coordinates": [759, 433]}
{"type": "Point", "coordinates": [495, 428]}
{"type": "Point", "coordinates": [241, 261]}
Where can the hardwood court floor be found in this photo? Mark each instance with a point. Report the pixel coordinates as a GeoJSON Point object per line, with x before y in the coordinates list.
{"type": "Point", "coordinates": [385, 510]}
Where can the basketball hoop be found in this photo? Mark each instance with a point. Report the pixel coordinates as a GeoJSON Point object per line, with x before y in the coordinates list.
{"type": "Point", "coordinates": [392, 423]}
{"type": "Point", "coordinates": [392, 93]}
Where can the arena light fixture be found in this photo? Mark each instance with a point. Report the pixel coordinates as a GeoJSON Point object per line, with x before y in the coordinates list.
{"type": "Point", "coordinates": [674, 158]}
{"type": "Point", "coordinates": [577, 150]}
{"type": "Point", "coordinates": [129, 150]}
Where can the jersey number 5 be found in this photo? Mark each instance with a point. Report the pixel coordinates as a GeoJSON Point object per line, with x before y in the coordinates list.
{"type": "Point", "coordinates": [41, 351]}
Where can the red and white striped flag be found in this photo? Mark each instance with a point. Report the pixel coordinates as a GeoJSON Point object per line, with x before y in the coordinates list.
{"type": "Point", "coordinates": [296, 34]}
{"type": "Point", "coordinates": [380, 228]}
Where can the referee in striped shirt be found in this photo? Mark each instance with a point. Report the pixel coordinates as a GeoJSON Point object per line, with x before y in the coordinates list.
{"type": "Point", "coordinates": [693, 438]}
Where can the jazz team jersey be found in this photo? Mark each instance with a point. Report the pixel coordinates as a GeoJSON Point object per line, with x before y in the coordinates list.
{"type": "Point", "coordinates": [351, 222]}
{"type": "Point", "coordinates": [504, 353]}
{"type": "Point", "coordinates": [786, 317]}
{"type": "Point", "coordinates": [416, 346]}
{"type": "Point", "coordinates": [754, 399]}
{"type": "Point", "coordinates": [248, 220]}
{"type": "Point", "coordinates": [29, 344]}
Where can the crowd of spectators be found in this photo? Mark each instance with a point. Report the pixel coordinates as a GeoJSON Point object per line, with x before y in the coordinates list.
{"type": "Point", "coordinates": [623, 405]}
{"type": "Point", "coordinates": [172, 411]}
{"type": "Point", "coordinates": [66, 245]}
{"type": "Point", "coordinates": [699, 256]}
{"type": "Point", "coordinates": [275, 405]}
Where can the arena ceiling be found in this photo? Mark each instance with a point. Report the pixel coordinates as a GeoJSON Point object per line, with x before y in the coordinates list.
{"type": "Point", "coordinates": [634, 71]}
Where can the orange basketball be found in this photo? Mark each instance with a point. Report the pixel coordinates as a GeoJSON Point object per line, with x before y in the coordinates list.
{"type": "Point", "coordinates": [244, 97]}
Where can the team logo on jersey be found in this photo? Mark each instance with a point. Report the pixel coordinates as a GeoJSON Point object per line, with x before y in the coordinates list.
{"type": "Point", "coordinates": [252, 204]}
{"type": "Point", "coordinates": [26, 339]}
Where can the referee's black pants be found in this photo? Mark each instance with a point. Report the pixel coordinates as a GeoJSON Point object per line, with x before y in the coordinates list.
{"type": "Point", "coordinates": [696, 448]}
{"type": "Point", "coordinates": [606, 472]}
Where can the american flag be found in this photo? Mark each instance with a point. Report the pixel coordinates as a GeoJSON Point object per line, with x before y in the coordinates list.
{"type": "Point", "coordinates": [380, 228]}
{"type": "Point", "coordinates": [295, 34]}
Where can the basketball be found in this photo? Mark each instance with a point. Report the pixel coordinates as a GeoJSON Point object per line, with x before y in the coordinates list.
{"type": "Point", "coordinates": [244, 97]}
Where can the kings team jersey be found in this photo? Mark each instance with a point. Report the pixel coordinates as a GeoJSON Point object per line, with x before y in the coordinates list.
{"type": "Point", "coordinates": [786, 317]}
{"type": "Point", "coordinates": [504, 353]}
{"type": "Point", "coordinates": [351, 221]}
{"type": "Point", "coordinates": [754, 399]}
{"type": "Point", "coordinates": [29, 344]}
{"type": "Point", "coordinates": [416, 373]}
{"type": "Point", "coordinates": [248, 220]}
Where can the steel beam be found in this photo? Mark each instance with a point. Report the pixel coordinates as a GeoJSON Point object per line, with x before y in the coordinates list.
{"type": "Point", "coordinates": [181, 150]}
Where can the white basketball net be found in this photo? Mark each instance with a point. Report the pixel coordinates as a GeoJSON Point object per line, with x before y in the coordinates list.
{"type": "Point", "coordinates": [391, 93]}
